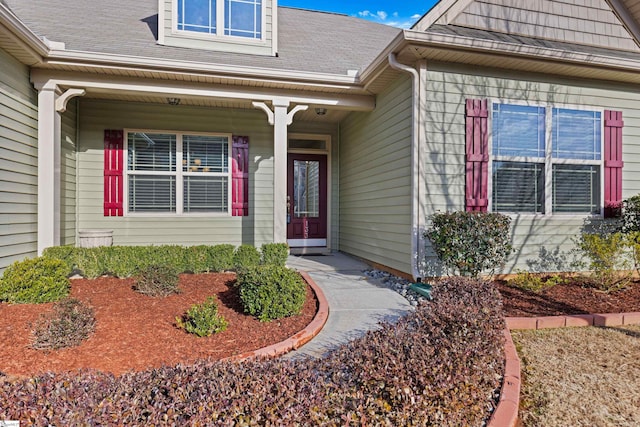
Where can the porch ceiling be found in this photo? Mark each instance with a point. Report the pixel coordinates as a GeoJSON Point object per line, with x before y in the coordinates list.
{"type": "Point", "coordinates": [331, 116]}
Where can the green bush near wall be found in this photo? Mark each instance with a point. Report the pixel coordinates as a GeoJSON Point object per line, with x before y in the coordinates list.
{"type": "Point", "coordinates": [125, 261]}
{"type": "Point", "coordinates": [34, 281]}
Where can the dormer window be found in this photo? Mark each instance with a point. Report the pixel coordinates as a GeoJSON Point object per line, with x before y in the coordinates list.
{"type": "Point", "coordinates": [239, 18]}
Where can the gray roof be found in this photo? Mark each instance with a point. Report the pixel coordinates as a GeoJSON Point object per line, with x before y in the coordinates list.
{"type": "Point", "coordinates": [308, 40]}
{"type": "Point", "coordinates": [530, 41]}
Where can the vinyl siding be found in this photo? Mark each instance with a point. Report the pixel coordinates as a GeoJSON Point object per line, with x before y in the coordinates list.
{"type": "Point", "coordinates": [375, 180]}
{"type": "Point", "coordinates": [18, 163]}
{"type": "Point", "coordinates": [68, 174]}
{"type": "Point", "coordinates": [220, 43]}
{"type": "Point", "coordinates": [590, 22]}
{"type": "Point", "coordinates": [533, 236]}
{"type": "Point", "coordinates": [257, 228]}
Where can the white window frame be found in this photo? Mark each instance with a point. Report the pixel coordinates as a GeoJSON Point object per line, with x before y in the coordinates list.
{"type": "Point", "coordinates": [220, 18]}
{"type": "Point", "coordinates": [548, 160]}
{"type": "Point", "coordinates": [178, 173]}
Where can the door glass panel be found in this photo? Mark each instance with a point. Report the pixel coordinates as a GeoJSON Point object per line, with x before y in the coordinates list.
{"type": "Point", "coordinates": [306, 189]}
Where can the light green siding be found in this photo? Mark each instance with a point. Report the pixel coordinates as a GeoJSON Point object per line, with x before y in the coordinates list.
{"type": "Point", "coordinates": [18, 163]}
{"type": "Point", "coordinates": [533, 236]}
{"type": "Point", "coordinates": [68, 174]}
{"type": "Point", "coordinates": [257, 228]}
{"type": "Point", "coordinates": [220, 43]}
{"type": "Point", "coordinates": [375, 180]}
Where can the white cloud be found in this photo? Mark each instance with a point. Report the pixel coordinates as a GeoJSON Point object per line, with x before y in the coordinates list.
{"type": "Point", "coordinates": [397, 21]}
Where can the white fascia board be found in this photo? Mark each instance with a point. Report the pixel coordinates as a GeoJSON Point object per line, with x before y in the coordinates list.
{"type": "Point", "coordinates": [519, 50]}
{"type": "Point", "coordinates": [106, 60]}
{"type": "Point", "coordinates": [97, 84]}
{"type": "Point", "coordinates": [36, 46]}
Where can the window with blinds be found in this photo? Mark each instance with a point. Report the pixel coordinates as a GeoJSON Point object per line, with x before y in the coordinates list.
{"type": "Point", "coordinates": [156, 184]}
{"type": "Point", "coordinates": [533, 146]}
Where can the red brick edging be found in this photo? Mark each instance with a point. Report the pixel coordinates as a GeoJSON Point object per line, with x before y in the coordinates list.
{"type": "Point", "coordinates": [506, 413]}
{"type": "Point", "coordinates": [302, 337]}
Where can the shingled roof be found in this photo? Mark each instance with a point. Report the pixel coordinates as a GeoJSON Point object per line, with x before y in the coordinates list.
{"type": "Point", "coordinates": [308, 40]}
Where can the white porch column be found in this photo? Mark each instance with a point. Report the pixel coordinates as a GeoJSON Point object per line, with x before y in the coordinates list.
{"type": "Point", "coordinates": [280, 118]}
{"type": "Point", "coordinates": [280, 107]}
{"type": "Point", "coordinates": [48, 168]}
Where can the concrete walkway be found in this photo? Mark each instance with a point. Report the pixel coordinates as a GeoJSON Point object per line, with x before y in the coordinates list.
{"type": "Point", "coordinates": [357, 303]}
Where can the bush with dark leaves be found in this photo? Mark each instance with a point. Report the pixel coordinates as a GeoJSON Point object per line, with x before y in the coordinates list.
{"type": "Point", "coordinates": [70, 323]}
{"type": "Point", "coordinates": [440, 365]}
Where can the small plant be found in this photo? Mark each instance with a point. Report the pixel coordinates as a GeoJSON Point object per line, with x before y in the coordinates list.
{"type": "Point", "coordinates": [197, 259]}
{"type": "Point", "coordinates": [606, 251]}
{"type": "Point", "coordinates": [271, 292]}
{"type": "Point", "coordinates": [275, 253]}
{"type": "Point", "coordinates": [70, 323]}
{"type": "Point", "coordinates": [35, 280]}
{"type": "Point", "coordinates": [470, 242]}
{"type": "Point", "coordinates": [157, 281]}
{"type": "Point", "coordinates": [203, 319]}
{"type": "Point", "coordinates": [245, 256]}
{"type": "Point", "coordinates": [534, 282]}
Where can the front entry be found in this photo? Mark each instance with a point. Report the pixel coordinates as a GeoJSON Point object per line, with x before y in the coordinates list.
{"type": "Point", "coordinates": [307, 200]}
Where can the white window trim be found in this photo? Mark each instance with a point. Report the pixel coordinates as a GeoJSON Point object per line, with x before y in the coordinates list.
{"type": "Point", "coordinates": [178, 173]}
{"type": "Point", "coordinates": [219, 36]}
{"type": "Point", "coordinates": [547, 160]}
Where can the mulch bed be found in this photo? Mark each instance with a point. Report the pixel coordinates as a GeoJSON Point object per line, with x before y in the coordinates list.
{"type": "Point", "coordinates": [137, 332]}
{"type": "Point", "coordinates": [569, 298]}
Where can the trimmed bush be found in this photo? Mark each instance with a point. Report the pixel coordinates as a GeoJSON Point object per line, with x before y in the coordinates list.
{"type": "Point", "coordinates": [35, 280]}
{"type": "Point", "coordinates": [64, 253]}
{"type": "Point", "coordinates": [197, 259]}
{"type": "Point", "coordinates": [275, 253]}
{"type": "Point", "coordinates": [440, 366]}
{"type": "Point", "coordinates": [470, 242]}
{"type": "Point", "coordinates": [157, 281]}
{"type": "Point", "coordinates": [245, 256]}
{"type": "Point", "coordinates": [221, 257]}
{"type": "Point", "coordinates": [271, 292]}
{"type": "Point", "coordinates": [70, 323]}
{"type": "Point", "coordinates": [203, 319]}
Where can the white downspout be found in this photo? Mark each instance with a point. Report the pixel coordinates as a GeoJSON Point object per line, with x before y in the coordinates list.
{"type": "Point", "coordinates": [416, 253]}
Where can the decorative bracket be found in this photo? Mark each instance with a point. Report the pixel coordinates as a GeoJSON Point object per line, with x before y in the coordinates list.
{"type": "Point", "coordinates": [61, 102]}
{"type": "Point", "coordinates": [271, 116]}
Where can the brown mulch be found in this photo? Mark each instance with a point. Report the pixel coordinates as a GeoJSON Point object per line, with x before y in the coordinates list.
{"type": "Point", "coordinates": [569, 298]}
{"type": "Point", "coordinates": [137, 332]}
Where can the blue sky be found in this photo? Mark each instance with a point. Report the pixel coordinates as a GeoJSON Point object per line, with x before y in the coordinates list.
{"type": "Point", "coordinates": [399, 13]}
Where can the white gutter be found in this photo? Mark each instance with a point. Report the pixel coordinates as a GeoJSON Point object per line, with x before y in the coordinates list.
{"type": "Point", "coordinates": [416, 253]}
{"type": "Point", "coordinates": [37, 47]}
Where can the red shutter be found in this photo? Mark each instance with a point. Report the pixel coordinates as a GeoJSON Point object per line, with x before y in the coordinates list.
{"type": "Point", "coordinates": [113, 172]}
{"type": "Point", "coordinates": [612, 163]}
{"type": "Point", "coordinates": [240, 176]}
{"type": "Point", "coordinates": [477, 155]}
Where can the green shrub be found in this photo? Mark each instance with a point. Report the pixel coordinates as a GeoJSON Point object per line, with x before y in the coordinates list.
{"type": "Point", "coordinates": [70, 323]}
{"type": "Point", "coordinates": [607, 257]}
{"type": "Point", "coordinates": [221, 257]}
{"type": "Point", "coordinates": [534, 282]}
{"type": "Point", "coordinates": [35, 280]}
{"type": "Point", "coordinates": [470, 242]}
{"type": "Point", "coordinates": [245, 256]}
{"type": "Point", "coordinates": [63, 253]}
{"type": "Point", "coordinates": [271, 292]}
{"type": "Point", "coordinates": [197, 259]}
{"type": "Point", "coordinates": [203, 319]}
{"type": "Point", "coordinates": [630, 219]}
{"type": "Point", "coordinates": [157, 281]}
{"type": "Point", "coordinates": [275, 253]}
